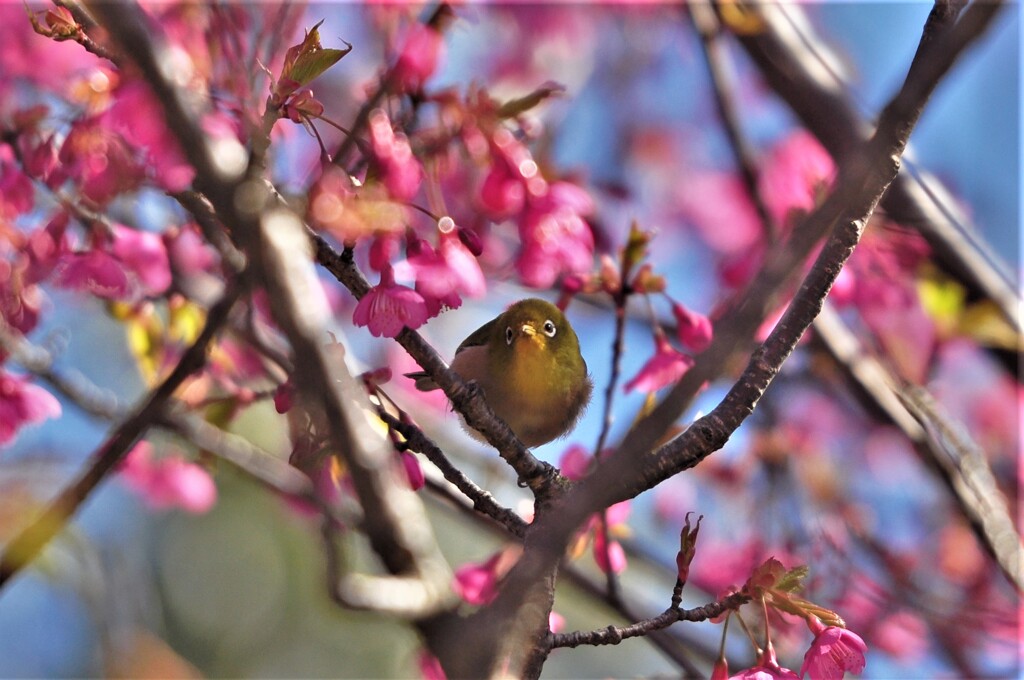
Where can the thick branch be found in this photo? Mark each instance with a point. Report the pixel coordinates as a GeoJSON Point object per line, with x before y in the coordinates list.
{"type": "Point", "coordinates": [276, 245]}
{"type": "Point", "coordinates": [790, 60]}
{"type": "Point", "coordinates": [632, 469]}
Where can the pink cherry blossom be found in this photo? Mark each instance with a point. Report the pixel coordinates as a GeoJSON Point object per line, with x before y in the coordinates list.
{"type": "Point", "coordinates": [902, 634]}
{"type": "Point", "coordinates": [39, 159]}
{"type": "Point", "coordinates": [430, 667]}
{"type": "Point", "coordinates": [796, 176]}
{"type": "Point", "coordinates": [556, 239]}
{"type": "Point", "coordinates": [768, 668]}
{"type": "Point", "coordinates": [833, 652]}
{"type": "Point", "coordinates": [383, 249]}
{"type": "Point", "coordinates": [694, 329]}
{"type": "Point", "coordinates": [100, 161]}
{"type": "Point", "coordinates": [666, 367]}
{"type": "Point", "coordinates": [609, 556]}
{"type": "Point", "coordinates": [168, 482]}
{"type": "Point", "coordinates": [19, 302]}
{"type": "Point", "coordinates": [718, 206]}
{"type": "Point", "coordinates": [21, 404]}
{"type": "Point", "coordinates": [720, 671]}
{"type": "Point", "coordinates": [503, 191]}
{"type": "Point", "coordinates": [440, 273]}
{"type": "Point", "coordinates": [187, 251]}
{"type": "Point", "coordinates": [302, 105]}
{"type": "Point", "coordinates": [422, 49]}
{"type": "Point", "coordinates": [477, 583]}
{"type": "Point", "coordinates": [46, 246]}
{"type": "Point", "coordinates": [16, 192]}
{"type": "Point", "coordinates": [94, 271]}
{"type": "Point", "coordinates": [575, 462]}
{"type": "Point", "coordinates": [284, 397]}
{"type": "Point", "coordinates": [399, 168]}
{"type": "Point", "coordinates": [145, 255]}
{"type": "Point", "coordinates": [892, 310]}
{"type": "Point", "coordinates": [138, 117]}
{"type": "Point", "coordinates": [556, 622]}
{"type": "Point", "coordinates": [25, 54]}
{"type": "Point", "coordinates": [389, 307]}
{"type": "Point", "coordinates": [736, 269]}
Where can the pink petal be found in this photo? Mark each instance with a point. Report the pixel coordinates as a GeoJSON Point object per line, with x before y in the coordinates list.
{"type": "Point", "coordinates": [145, 254]}
{"type": "Point", "coordinates": [95, 272]}
{"type": "Point", "coordinates": [413, 471]}
{"type": "Point", "coordinates": [21, 404]}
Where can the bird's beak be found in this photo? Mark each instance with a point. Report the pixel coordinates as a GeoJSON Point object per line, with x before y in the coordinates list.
{"type": "Point", "coordinates": [528, 331]}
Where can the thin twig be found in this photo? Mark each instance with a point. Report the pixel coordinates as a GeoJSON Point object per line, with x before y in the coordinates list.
{"type": "Point", "coordinates": [30, 541]}
{"type": "Point", "coordinates": [92, 399]}
{"type": "Point", "coordinates": [481, 499]}
{"type": "Point", "coordinates": [708, 28]}
{"type": "Point", "coordinates": [613, 635]}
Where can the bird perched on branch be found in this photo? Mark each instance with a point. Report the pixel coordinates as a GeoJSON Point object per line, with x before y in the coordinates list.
{"type": "Point", "coordinates": [527, 361]}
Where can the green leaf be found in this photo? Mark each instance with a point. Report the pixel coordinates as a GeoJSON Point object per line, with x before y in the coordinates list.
{"type": "Point", "coordinates": [793, 580]}
{"type": "Point", "coordinates": [311, 64]}
{"type": "Point", "coordinates": [515, 107]}
{"type": "Point", "coordinates": [308, 59]}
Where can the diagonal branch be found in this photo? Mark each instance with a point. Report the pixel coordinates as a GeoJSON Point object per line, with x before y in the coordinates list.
{"type": "Point", "coordinates": [632, 469]}
{"type": "Point", "coordinates": [790, 60]}
{"type": "Point", "coordinates": [536, 474]}
{"type": "Point", "coordinates": [278, 250]}
{"type": "Point", "coordinates": [481, 499]}
{"type": "Point", "coordinates": [28, 543]}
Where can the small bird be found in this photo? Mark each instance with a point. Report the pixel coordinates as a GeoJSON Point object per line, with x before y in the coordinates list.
{"type": "Point", "coordinates": [527, 361]}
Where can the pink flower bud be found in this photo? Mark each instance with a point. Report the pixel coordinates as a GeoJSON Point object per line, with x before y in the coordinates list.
{"type": "Point", "coordinates": [694, 329]}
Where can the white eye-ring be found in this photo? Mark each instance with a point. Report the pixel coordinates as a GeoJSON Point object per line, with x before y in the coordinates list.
{"type": "Point", "coordinates": [508, 335]}
{"type": "Point", "coordinates": [549, 328]}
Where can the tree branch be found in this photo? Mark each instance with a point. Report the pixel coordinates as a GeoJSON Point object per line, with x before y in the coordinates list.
{"type": "Point", "coordinates": [96, 401]}
{"type": "Point", "coordinates": [790, 59]}
{"type": "Point", "coordinates": [481, 499]}
{"type": "Point", "coordinates": [465, 398]}
{"type": "Point", "coordinates": [703, 18]}
{"type": "Point", "coordinates": [30, 541]}
{"type": "Point", "coordinates": [632, 469]}
{"type": "Point", "coordinates": [278, 250]}
{"type": "Point", "coordinates": [613, 635]}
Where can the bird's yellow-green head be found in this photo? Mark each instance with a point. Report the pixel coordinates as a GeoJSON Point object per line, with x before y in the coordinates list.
{"type": "Point", "coordinates": [533, 331]}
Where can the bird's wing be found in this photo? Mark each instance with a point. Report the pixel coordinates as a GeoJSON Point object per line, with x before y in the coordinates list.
{"type": "Point", "coordinates": [479, 337]}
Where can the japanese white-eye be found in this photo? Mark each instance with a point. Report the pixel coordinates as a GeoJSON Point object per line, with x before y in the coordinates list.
{"type": "Point", "coordinates": [527, 361]}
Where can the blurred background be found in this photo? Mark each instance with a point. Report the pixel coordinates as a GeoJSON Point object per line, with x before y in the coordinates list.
{"type": "Point", "coordinates": [239, 591]}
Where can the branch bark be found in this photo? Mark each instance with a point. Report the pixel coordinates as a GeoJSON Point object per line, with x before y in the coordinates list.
{"type": "Point", "coordinates": [633, 468]}
{"type": "Point", "coordinates": [278, 251]}
{"type": "Point", "coordinates": [790, 60]}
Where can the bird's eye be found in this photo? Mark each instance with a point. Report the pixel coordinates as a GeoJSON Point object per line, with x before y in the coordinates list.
{"type": "Point", "coordinates": [508, 335]}
{"type": "Point", "coordinates": [549, 328]}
